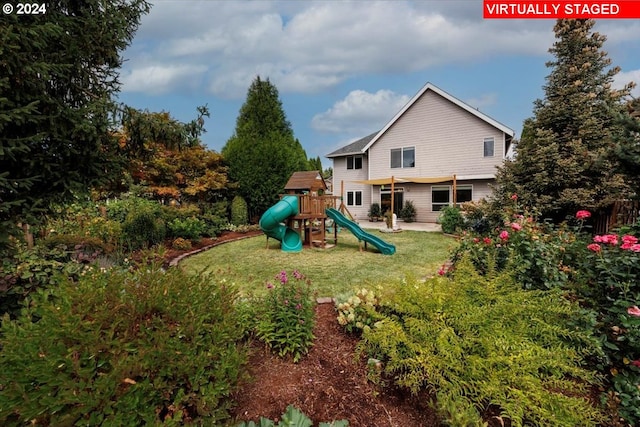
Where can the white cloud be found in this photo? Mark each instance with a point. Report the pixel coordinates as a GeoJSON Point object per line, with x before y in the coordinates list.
{"type": "Point", "coordinates": [625, 77]}
{"type": "Point", "coordinates": [160, 79]}
{"type": "Point", "coordinates": [313, 46]}
{"type": "Point", "coordinates": [360, 112]}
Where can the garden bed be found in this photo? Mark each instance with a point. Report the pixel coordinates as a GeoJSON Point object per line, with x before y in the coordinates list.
{"type": "Point", "coordinates": [329, 383]}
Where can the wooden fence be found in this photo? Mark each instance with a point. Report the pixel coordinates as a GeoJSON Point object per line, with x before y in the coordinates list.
{"type": "Point", "coordinates": [623, 212]}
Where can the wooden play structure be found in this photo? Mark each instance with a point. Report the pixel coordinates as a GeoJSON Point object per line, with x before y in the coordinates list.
{"type": "Point", "coordinates": [311, 222]}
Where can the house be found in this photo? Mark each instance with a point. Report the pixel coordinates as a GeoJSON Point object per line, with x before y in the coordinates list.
{"type": "Point", "coordinates": [437, 150]}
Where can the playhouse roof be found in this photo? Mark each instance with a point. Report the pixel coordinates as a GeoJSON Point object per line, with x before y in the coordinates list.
{"type": "Point", "coordinates": [306, 180]}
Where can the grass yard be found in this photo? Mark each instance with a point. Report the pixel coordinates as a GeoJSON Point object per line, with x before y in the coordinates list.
{"type": "Point", "coordinates": [334, 271]}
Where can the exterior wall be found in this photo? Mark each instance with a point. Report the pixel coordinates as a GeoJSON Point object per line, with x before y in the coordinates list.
{"type": "Point", "coordinates": [420, 195]}
{"type": "Point", "coordinates": [346, 176]}
{"type": "Point", "coordinates": [447, 139]}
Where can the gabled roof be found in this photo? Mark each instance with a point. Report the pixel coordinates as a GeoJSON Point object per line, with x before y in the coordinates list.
{"type": "Point", "coordinates": [356, 147]}
{"type": "Point", "coordinates": [362, 145]}
{"type": "Point", "coordinates": [306, 180]}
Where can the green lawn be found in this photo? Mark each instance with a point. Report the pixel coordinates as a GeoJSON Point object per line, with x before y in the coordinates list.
{"type": "Point", "coordinates": [334, 271]}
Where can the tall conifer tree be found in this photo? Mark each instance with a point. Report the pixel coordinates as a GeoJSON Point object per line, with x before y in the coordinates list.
{"type": "Point", "coordinates": [563, 160]}
{"type": "Point", "coordinates": [263, 153]}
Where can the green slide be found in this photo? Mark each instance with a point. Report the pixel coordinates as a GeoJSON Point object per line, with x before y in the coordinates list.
{"type": "Point", "coordinates": [270, 223]}
{"type": "Point", "coordinates": [384, 247]}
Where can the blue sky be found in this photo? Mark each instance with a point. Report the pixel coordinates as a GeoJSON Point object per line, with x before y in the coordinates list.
{"type": "Point", "coordinates": [343, 69]}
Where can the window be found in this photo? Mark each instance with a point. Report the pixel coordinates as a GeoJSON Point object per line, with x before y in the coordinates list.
{"type": "Point", "coordinates": [488, 147]}
{"type": "Point", "coordinates": [439, 197]}
{"type": "Point", "coordinates": [464, 193]}
{"type": "Point", "coordinates": [403, 157]}
{"type": "Point", "coordinates": [354, 162]}
{"type": "Point", "coordinates": [354, 198]}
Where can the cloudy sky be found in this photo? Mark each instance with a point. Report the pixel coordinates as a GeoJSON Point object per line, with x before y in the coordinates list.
{"type": "Point", "coordinates": [344, 68]}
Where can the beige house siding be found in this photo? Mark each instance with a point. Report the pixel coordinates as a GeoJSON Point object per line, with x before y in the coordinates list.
{"type": "Point", "coordinates": [344, 178]}
{"type": "Point", "coordinates": [447, 139]}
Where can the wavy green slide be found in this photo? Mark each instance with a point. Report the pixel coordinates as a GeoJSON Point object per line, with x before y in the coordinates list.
{"type": "Point", "coordinates": [384, 247]}
{"type": "Point", "coordinates": [270, 224]}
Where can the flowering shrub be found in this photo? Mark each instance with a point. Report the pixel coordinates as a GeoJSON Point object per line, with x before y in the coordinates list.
{"type": "Point", "coordinates": [358, 312]}
{"type": "Point", "coordinates": [285, 318]}
{"type": "Point", "coordinates": [609, 282]}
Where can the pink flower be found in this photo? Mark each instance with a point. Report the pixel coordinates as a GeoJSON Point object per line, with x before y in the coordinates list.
{"type": "Point", "coordinates": [594, 247]}
{"type": "Point", "coordinates": [298, 275]}
{"type": "Point", "coordinates": [583, 214]}
{"type": "Point", "coordinates": [504, 234]}
{"type": "Point", "coordinates": [627, 238]}
{"type": "Point", "coordinates": [635, 248]}
{"type": "Point", "coordinates": [514, 197]}
{"type": "Point", "coordinates": [610, 239]}
{"type": "Point", "coordinates": [598, 238]}
{"type": "Point", "coordinates": [515, 226]}
{"type": "Point", "coordinates": [487, 241]}
{"type": "Point", "coordinates": [634, 311]}
{"type": "Point", "coordinates": [269, 285]}
{"type": "Point", "coordinates": [476, 240]}
{"type": "Point", "coordinates": [298, 306]}
{"type": "Point", "coordinates": [282, 276]}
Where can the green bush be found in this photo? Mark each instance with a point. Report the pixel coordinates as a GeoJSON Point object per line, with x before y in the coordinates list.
{"type": "Point", "coordinates": [119, 210]}
{"type": "Point", "coordinates": [481, 342]}
{"type": "Point", "coordinates": [408, 212]}
{"type": "Point", "coordinates": [188, 228]}
{"type": "Point", "coordinates": [451, 219]}
{"type": "Point", "coordinates": [375, 211]}
{"type": "Point", "coordinates": [122, 348]}
{"type": "Point", "coordinates": [239, 211]}
{"type": "Point", "coordinates": [142, 229]}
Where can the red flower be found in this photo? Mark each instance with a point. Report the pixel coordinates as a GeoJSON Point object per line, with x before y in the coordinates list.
{"type": "Point", "coordinates": [594, 247]}
{"type": "Point", "coordinates": [487, 241]}
{"type": "Point", "coordinates": [634, 311]}
{"type": "Point", "coordinates": [514, 197]}
{"type": "Point", "coordinates": [504, 235]}
{"type": "Point", "coordinates": [583, 214]}
{"type": "Point", "coordinates": [629, 239]}
{"type": "Point", "coordinates": [636, 363]}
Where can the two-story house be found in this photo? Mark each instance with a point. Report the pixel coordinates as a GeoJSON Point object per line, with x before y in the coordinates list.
{"type": "Point", "coordinates": [434, 144]}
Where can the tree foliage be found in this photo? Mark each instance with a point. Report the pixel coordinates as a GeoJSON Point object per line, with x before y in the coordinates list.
{"type": "Point", "coordinates": [263, 153]}
{"type": "Point", "coordinates": [564, 159]}
{"type": "Point", "coordinates": [58, 72]}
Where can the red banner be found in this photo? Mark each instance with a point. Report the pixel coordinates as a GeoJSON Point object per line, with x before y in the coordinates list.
{"type": "Point", "coordinates": [517, 9]}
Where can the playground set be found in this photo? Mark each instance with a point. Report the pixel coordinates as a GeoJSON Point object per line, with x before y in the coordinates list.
{"type": "Point", "coordinates": [305, 216]}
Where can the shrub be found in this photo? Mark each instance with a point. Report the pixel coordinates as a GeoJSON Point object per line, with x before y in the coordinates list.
{"type": "Point", "coordinates": [451, 219]}
{"type": "Point", "coordinates": [286, 316]}
{"type": "Point", "coordinates": [143, 228]}
{"type": "Point", "coordinates": [239, 211]}
{"type": "Point", "coordinates": [408, 212]}
{"type": "Point", "coordinates": [481, 342]}
{"type": "Point", "coordinates": [188, 228]}
{"type": "Point", "coordinates": [181, 244]}
{"type": "Point", "coordinates": [122, 348]}
{"type": "Point", "coordinates": [375, 211]}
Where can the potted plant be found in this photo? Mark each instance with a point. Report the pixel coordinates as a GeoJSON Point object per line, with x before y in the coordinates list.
{"type": "Point", "coordinates": [408, 212]}
{"type": "Point", "coordinates": [375, 212]}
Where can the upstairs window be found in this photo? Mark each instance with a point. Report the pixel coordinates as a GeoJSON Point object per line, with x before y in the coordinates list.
{"type": "Point", "coordinates": [354, 162]}
{"type": "Point", "coordinates": [403, 157]}
{"type": "Point", "coordinates": [489, 144]}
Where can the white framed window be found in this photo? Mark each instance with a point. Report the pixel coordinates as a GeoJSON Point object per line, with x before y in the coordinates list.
{"type": "Point", "coordinates": [440, 197]}
{"type": "Point", "coordinates": [464, 193]}
{"type": "Point", "coordinates": [354, 162]}
{"type": "Point", "coordinates": [403, 157]}
{"type": "Point", "coordinates": [489, 146]}
{"type": "Point", "coordinates": [354, 198]}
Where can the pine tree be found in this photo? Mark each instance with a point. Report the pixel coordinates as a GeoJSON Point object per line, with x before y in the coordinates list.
{"type": "Point", "coordinates": [563, 160]}
{"type": "Point", "coordinates": [263, 153]}
{"type": "Point", "coordinates": [58, 72]}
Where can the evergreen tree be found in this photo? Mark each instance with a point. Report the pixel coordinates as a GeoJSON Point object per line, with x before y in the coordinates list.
{"type": "Point", "coordinates": [315, 164]}
{"type": "Point", "coordinates": [263, 153]}
{"type": "Point", "coordinates": [627, 145]}
{"type": "Point", "coordinates": [563, 161]}
{"type": "Point", "coordinates": [58, 72]}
